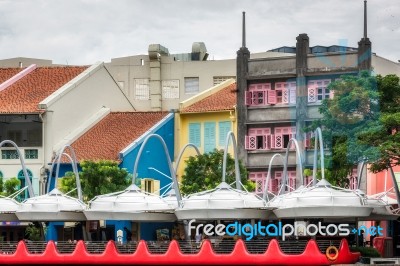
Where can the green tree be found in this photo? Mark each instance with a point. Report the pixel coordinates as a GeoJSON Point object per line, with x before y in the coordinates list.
{"type": "Point", "coordinates": [359, 122]}
{"type": "Point", "coordinates": [1, 185]}
{"type": "Point", "coordinates": [33, 232]}
{"type": "Point", "coordinates": [11, 186]}
{"type": "Point", "coordinates": [97, 178]}
{"type": "Point", "coordinates": [204, 172]}
{"type": "Point", "coordinates": [384, 134]}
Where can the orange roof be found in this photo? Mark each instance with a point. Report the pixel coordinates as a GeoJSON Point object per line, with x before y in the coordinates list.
{"type": "Point", "coordinates": [113, 133]}
{"type": "Point", "coordinates": [24, 95]}
{"type": "Point", "coordinates": [222, 100]}
{"type": "Point", "coordinates": [7, 73]}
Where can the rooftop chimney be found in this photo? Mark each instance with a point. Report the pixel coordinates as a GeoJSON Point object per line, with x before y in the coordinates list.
{"type": "Point", "coordinates": [364, 46]}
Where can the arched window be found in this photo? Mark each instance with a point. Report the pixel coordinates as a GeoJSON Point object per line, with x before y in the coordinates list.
{"type": "Point", "coordinates": [21, 178]}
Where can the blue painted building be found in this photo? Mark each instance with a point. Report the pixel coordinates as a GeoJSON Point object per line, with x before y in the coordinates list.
{"type": "Point", "coordinates": [152, 167]}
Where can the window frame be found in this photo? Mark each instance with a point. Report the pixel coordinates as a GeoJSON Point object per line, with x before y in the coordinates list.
{"type": "Point", "coordinates": [142, 86]}
{"type": "Point", "coordinates": [170, 89]}
{"type": "Point", "coordinates": [188, 80]}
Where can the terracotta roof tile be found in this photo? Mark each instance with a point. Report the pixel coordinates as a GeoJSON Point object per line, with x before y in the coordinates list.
{"type": "Point", "coordinates": [6, 73]}
{"type": "Point", "coordinates": [114, 133]}
{"type": "Point", "coordinates": [222, 100]}
{"type": "Point", "coordinates": [24, 95]}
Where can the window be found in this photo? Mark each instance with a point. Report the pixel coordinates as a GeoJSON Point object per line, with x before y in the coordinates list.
{"type": "Point", "coordinates": [282, 136]}
{"type": "Point", "coordinates": [191, 85]}
{"type": "Point", "coordinates": [258, 139]}
{"type": "Point", "coordinates": [259, 179]}
{"type": "Point", "coordinates": [16, 136]}
{"type": "Point", "coordinates": [22, 181]}
{"type": "Point", "coordinates": [142, 89]}
{"type": "Point", "coordinates": [31, 154]}
{"type": "Point", "coordinates": [34, 137]}
{"type": "Point", "coordinates": [209, 136]}
{"type": "Point", "coordinates": [308, 180]}
{"type": "Point", "coordinates": [285, 92]}
{"type": "Point", "coordinates": [150, 185]}
{"type": "Point", "coordinates": [9, 154]}
{"type": "Point", "coordinates": [194, 134]}
{"type": "Point", "coordinates": [170, 89]}
{"type": "Point", "coordinates": [318, 90]}
{"type": "Point", "coordinates": [1, 174]}
{"type": "Point", "coordinates": [258, 94]}
{"type": "Point", "coordinates": [219, 79]}
{"type": "Point", "coordinates": [353, 182]}
{"type": "Point", "coordinates": [291, 185]}
{"type": "Point", "coordinates": [223, 128]}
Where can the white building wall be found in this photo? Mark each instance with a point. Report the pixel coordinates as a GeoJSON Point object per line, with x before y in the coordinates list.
{"type": "Point", "coordinates": [384, 66]}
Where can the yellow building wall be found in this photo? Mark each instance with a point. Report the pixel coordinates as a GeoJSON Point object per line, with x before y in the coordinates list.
{"type": "Point", "coordinates": [182, 130]}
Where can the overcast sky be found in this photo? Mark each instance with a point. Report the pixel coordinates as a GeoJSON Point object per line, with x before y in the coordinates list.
{"type": "Point", "coordinates": [86, 31]}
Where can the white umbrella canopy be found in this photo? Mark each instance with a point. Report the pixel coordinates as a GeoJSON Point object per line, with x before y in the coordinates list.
{"type": "Point", "coordinates": [130, 204]}
{"type": "Point", "coordinates": [54, 206]}
{"type": "Point", "coordinates": [383, 206]}
{"type": "Point", "coordinates": [321, 201]}
{"type": "Point", "coordinates": [8, 207]}
{"type": "Point", "coordinates": [171, 199]}
{"type": "Point", "coordinates": [223, 202]}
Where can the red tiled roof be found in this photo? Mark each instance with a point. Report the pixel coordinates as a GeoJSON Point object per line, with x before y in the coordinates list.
{"type": "Point", "coordinates": [6, 73]}
{"type": "Point", "coordinates": [113, 133]}
{"type": "Point", "coordinates": [222, 100]}
{"type": "Point", "coordinates": [24, 95]}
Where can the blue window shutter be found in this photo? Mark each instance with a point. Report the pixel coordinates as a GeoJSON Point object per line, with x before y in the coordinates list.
{"type": "Point", "coordinates": [194, 134]}
{"type": "Point", "coordinates": [224, 128]}
{"type": "Point", "coordinates": [209, 136]}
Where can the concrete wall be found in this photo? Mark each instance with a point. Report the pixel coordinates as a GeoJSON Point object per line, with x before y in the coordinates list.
{"type": "Point", "coordinates": [384, 66]}
{"type": "Point", "coordinates": [268, 66]}
{"type": "Point", "coordinates": [73, 104]}
{"type": "Point", "coordinates": [24, 62]}
{"type": "Point", "coordinates": [129, 68]}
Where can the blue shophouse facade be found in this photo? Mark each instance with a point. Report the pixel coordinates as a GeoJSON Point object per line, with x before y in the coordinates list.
{"type": "Point", "coordinates": [152, 164]}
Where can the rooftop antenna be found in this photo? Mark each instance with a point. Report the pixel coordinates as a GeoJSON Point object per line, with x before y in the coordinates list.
{"type": "Point", "coordinates": [244, 29]}
{"type": "Point", "coordinates": [365, 19]}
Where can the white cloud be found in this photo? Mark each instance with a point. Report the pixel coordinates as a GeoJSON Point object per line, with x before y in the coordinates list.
{"type": "Point", "coordinates": [86, 31]}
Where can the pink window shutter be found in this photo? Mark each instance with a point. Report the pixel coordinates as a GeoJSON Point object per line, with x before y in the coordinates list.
{"type": "Point", "coordinates": [251, 142]}
{"type": "Point", "coordinates": [272, 138]}
{"type": "Point", "coordinates": [285, 95]}
{"type": "Point", "coordinates": [292, 95]}
{"type": "Point", "coordinates": [312, 94]}
{"type": "Point", "coordinates": [278, 141]}
{"type": "Point", "coordinates": [271, 96]}
{"type": "Point", "coordinates": [267, 142]}
{"type": "Point", "coordinates": [248, 97]}
{"type": "Point", "coordinates": [273, 186]}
